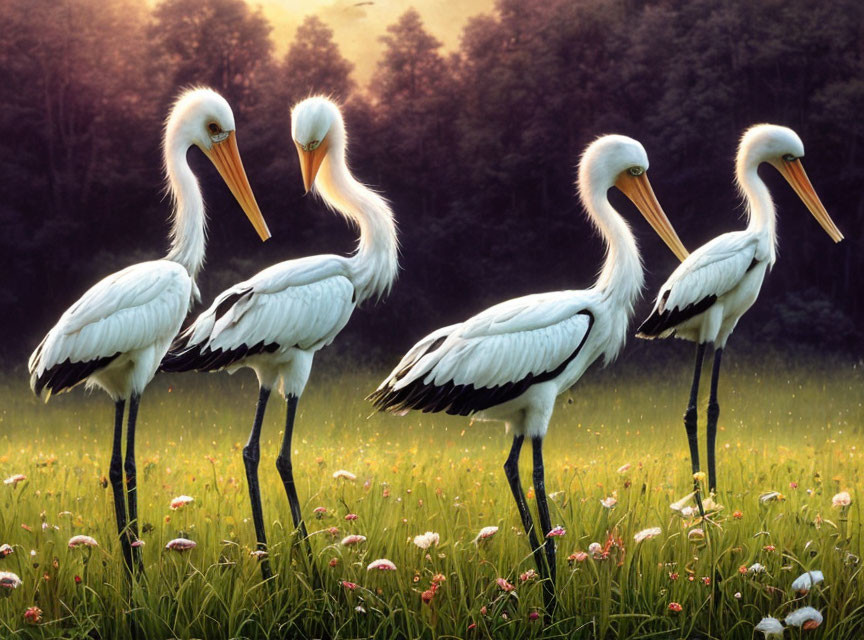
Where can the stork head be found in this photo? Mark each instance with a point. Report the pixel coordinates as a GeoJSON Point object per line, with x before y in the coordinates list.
{"type": "Point", "coordinates": [203, 118]}
{"type": "Point", "coordinates": [619, 161]}
{"type": "Point", "coordinates": [782, 148]}
{"type": "Point", "coordinates": [318, 130]}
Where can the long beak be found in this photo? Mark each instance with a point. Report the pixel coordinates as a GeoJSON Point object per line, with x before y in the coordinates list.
{"type": "Point", "coordinates": [310, 161]}
{"type": "Point", "coordinates": [639, 190]}
{"type": "Point", "coordinates": [226, 157]}
{"type": "Point", "coordinates": [795, 175]}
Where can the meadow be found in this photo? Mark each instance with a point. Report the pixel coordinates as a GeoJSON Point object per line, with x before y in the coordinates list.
{"type": "Point", "coordinates": [786, 425]}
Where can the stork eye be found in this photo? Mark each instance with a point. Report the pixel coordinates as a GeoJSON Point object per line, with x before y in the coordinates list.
{"type": "Point", "coordinates": [214, 128]}
{"type": "Point", "coordinates": [789, 158]}
{"type": "Point", "coordinates": [635, 171]}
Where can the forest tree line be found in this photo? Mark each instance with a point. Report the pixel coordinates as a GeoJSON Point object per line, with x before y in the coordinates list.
{"type": "Point", "coordinates": [475, 149]}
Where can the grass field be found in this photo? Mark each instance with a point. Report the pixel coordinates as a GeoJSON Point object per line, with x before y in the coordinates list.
{"type": "Point", "coordinates": [792, 429]}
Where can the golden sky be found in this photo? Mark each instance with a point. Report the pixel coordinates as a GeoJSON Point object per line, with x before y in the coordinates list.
{"type": "Point", "coordinates": [357, 24]}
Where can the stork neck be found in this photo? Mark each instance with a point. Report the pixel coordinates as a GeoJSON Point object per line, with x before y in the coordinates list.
{"type": "Point", "coordinates": [760, 208]}
{"type": "Point", "coordinates": [375, 261]}
{"type": "Point", "coordinates": [188, 227]}
{"type": "Point", "coordinates": [621, 277]}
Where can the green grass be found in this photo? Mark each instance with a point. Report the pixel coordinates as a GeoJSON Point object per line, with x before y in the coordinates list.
{"type": "Point", "coordinates": [780, 424]}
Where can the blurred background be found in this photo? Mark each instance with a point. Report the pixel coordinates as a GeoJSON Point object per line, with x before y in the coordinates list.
{"type": "Point", "coordinates": [470, 121]}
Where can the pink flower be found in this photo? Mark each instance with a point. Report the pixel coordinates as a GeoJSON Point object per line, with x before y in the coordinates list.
{"type": "Point", "coordinates": [556, 532]}
{"type": "Point", "coordinates": [319, 512]}
{"type": "Point", "coordinates": [485, 533]}
{"type": "Point", "coordinates": [349, 585]}
{"type": "Point", "coordinates": [82, 541]}
{"type": "Point", "coordinates": [382, 565]}
{"type": "Point", "coordinates": [15, 479]}
{"type": "Point", "coordinates": [533, 616]}
{"type": "Point", "coordinates": [675, 607]}
{"type": "Point", "coordinates": [137, 543]}
{"type": "Point", "coordinates": [351, 516]}
{"type": "Point", "coordinates": [353, 539]}
{"type": "Point", "coordinates": [333, 531]}
{"type": "Point", "coordinates": [504, 585]}
{"type": "Point", "coordinates": [5, 550]}
{"type": "Point", "coordinates": [609, 502]}
{"type": "Point", "coordinates": [181, 544]}
{"type": "Point", "coordinates": [528, 575]}
{"type": "Point", "coordinates": [842, 499]}
{"type": "Point", "coordinates": [181, 501]}
{"type": "Point", "coordinates": [33, 615]}
{"type": "Point", "coordinates": [579, 556]}
{"type": "Point", "coordinates": [9, 580]}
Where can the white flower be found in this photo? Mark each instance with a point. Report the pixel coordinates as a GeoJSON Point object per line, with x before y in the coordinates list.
{"type": "Point", "coordinates": [9, 580]}
{"type": "Point", "coordinates": [647, 534]}
{"type": "Point", "coordinates": [353, 539]}
{"type": "Point", "coordinates": [681, 504]}
{"type": "Point", "coordinates": [382, 565]}
{"type": "Point", "coordinates": [14, 480]}
{"type": "Point", "coordinates": [624, 468]}
{"type": "Point", "coordinates": [426, 540]}
{"type": "Point", "coordinates": [806, 581]}
{"type": "Point", "coordinates": [82, 541]}
{"type": "Point", "coordinates": [770, 627]}
{"type": "Point", "coordinates": [181, 501]}
{"type": "Point", "coordinates": [696, 534]}
{"type": "Point", "coordinates": [756, 568]}
{"type": "Point", "coordinates": [595, 549]}
{"type": "Point", "coordinates": [770, 497]}
{"type": "Point", "coordinates": [806, 617]}
{"type": "Point", "coordinates": [345, 475]}
{"type": "Point", "coordinates": [609, 502]}
{"type": "Point", "coordinates": [842, 499]}
{"type": "Point", "coordinates": [181, 544]}
{"type": "Point", "coordinates": [485, 532]}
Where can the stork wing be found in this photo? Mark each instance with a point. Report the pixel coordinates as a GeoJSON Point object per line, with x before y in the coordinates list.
{"type": "Point", "coordinates": [300, 303]}
{"type": "Point", "coordinates": [137, 307]}
{"type": "Point", "coordinates": [491, 358]}
{"type": "Point", "coordinates": [708, 273]}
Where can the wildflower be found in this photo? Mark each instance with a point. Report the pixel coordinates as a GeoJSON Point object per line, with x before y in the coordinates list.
{"type": "Point", "coordinates": [5, 550]}
{"type": "Point", "coordinates": [333, 562]}
{"type": "Point", "coordinates": [706, 580]}
{"type": "Point", "coordinates": [137, 543]}
{"type": "Point", "coordinates": [805, 617]}
{"type": "Point", "coordinates": [737, 595]}
{"type": "Point", "coordinates": [674, 607]}
{"type": "Point", "coordinates": [609, 502]}
{"type": "Point", "coordinates": [483, 610]}
{"type": "Point", "coordinates": [579, 556]}
{"type": "Point", "coordinates": [359, 609]}
{"type": "Point", "coordinates": [533, 616]}
{"type": "Point", "coordinates": [696, 534]}
{"type": "Point", "coordinates": [737, 514]}
{"type": "Point", "coordinates": [673, 576]}
{"type": "Point", "coordinates": [353, 539]}
{"type": "Point", "coordinates": [472, 626]}
{"type": "Point", "coordinates": [624, 468]}
{"type": "Point", "coordinates": [78, 579]}
{"type": "Point", "coordinates": [770, 627]}
{"type": "Point", "coordinates": [180, 544]}
{"type": "Point", "coordinates": [756, 568]}
{"type": "Point", "coordinates": [504, 585]}
{"type": "Point", "coordinates": [181, 501]}
{"type": "Point", "coordinates": [333, 531]}
{"type": "Point", "coordinates": [319, 512]}
{"type": "Point", "coordinates": [382, 565]}
{"type": "Point", "coordinates": [82, 541]}
{"type": "Point", "coordinates": [699, 476]}
{"type": "Point", "coordinates": [842, 499]}
{"type": "Point", "coordinates": [769, 548]}
{"type": "Point", "coordinates": [344, 475]}
{"type": "Point", "coordinates": [596, 550]}
{"type": "Point", "coordinates": [349, 585]}
{"type": "Point", "coordinates": [33, 615]}
{"type": "Point", "coordinates": [528, 575]}
{"type": "Point", "coordinates": [647, 534]}
{"type": "Point", "coordinates": [556, 532]}
{"type": "Point", "coordinates": [258, 553]}
{"type": "Point", "coordinates": [770, 497]}
{"type": "Point", "coordinates": [427, 596]}
{"type": "Point", "coordinates": [793, 485]}
{"type": "Point", "coordinates": [485, 533]}
{"type": "Point", "coordinates": [807, 581]}
{"type": "Point", "coordinates": [681, 504]}
{"type": "Point", "coordinates": [742, 569]}
{"type": "Point", "coordinates": [9, 580]}
{"type": "Point", "coordinates": [426, 540]}
{"type": "Point", "coordinates": [15, 479]}
{"type": "Point", "coordinates": [351, 516]}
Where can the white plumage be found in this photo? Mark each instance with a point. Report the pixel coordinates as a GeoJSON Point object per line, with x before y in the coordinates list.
{"type": "Point", "coordinates": [708, 293]}
{"type": "Point", "coordinates": [511, 361]}
{"type": "Point", "coordinates": [116, 334]}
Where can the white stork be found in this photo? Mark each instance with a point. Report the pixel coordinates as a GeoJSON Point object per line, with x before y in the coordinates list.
{"type": "Point", "coordinates": [116, 334]}
{"type": "Point", "coordinates": [277, 320]}
{"type": "Point", "coordinates": [510, 362]}
{"type": "Point", "coordinates": [708, 293]}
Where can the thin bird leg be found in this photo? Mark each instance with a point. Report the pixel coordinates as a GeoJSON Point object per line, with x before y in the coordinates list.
{"type": "Point", "coordinates": [690, 423]}
{"type": "Point", "coordinates": [511, 470]}
{"type": "Point", "coordinates": [131, 481]}
{"type": "Point", "coordinates": [713, 416]}
{"type": "Point", "coordinates": [251, 457]}
{"type": "Point", "coordinates": [545, 521]}
{"type": "Point", "coordinates": [115, 475]}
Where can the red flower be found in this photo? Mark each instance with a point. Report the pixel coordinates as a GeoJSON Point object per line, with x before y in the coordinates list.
{"type": "Point", "coordinates": [675, 607]}
{"type": "Point", "coordinates": [351, 516]}
{"type": "Point", "coordinates": [533, 616]}
{"type": "Point", "coordinates": [673, 576]}
{"type": "Point", "coordinates": [769, 548]}
{"type": "Point", "coordinates": [333, 562]}
{"type": "Point", "coordinates": [504, 585]}
{"type": "Point", "coordinates": [77, 579]}
{"type": "Point", "coordinates": [428, 595]}
{"type": "Point", "coordinates": [349, 585]}
{"type": "Point", "coordinates": [737, 514]}
{"type": "Point", "coordinates": [33, 615]}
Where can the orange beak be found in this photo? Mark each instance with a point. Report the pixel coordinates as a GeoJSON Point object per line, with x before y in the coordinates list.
{"type": "Point", "coordinates": [639, 190]}
{"type": "Point", "coordinates": [226, 157]}
{"type": "Point", "coordinates": [310, 161]}
{"type": "Point", "coordinates": [795, 175]}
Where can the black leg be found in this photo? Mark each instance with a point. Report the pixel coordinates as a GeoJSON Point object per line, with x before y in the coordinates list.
{"type": "Point", "coordinates": [511, 470]}
{"type": "Point", "coordinates": [713, 416]}
{"type": "Point", "coordinates": [690, 423]}
{"type": "Point", "coordinates": [115, 475]}
{"type": "Point", "coordinates": [131, 481]}
{"type": "Point", "coordinates": [251, 457]}
{"type": "Point", "coordinates": [545, 521]}
{"type": "Point", "coordinates": [283, 464]}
